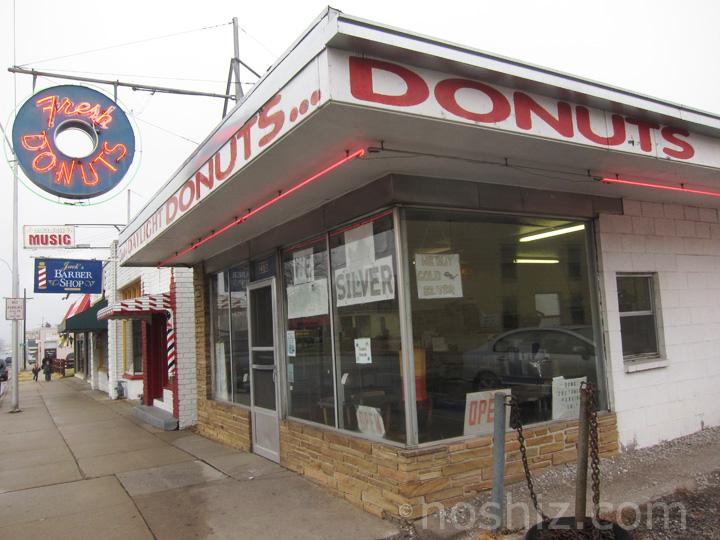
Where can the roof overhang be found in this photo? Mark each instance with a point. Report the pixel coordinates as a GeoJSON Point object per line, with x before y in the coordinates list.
{"type": "Point", "coordinates": [308, 113]}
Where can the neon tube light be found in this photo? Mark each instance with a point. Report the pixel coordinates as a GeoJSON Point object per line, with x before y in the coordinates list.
{"type": "Point", "coordinates": [659, 186]}
{"type": "Point", "coordinates": [536, 261]}
{"type": "Point", "coordinates": [553, 232]}
{"type": "Point", "coordinates": [242, 219]}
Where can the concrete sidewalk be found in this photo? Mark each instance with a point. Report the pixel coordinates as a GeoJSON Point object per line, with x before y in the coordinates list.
{"type": "Point", "coordinates": [76, 465]}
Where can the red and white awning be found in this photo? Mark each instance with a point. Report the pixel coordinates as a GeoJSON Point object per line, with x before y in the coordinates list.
{"type": "Point", "coordinates": [137, 307]}
{"type": "Point", "coordinates": [78, 307]}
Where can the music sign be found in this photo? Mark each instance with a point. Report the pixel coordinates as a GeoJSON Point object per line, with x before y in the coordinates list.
{"type": "Point", "coordinates": [68, 276]}
{"type": "Point", "coordinates": [48, 236]}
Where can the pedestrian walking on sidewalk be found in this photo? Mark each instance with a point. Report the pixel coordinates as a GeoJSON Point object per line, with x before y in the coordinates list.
{"type": "Point", "coordinates": [35, 372]}
{"type": "Point", "coordinates": [47, 368]}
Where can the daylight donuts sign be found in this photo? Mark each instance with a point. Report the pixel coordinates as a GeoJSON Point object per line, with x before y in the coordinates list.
{"type": "Point", "coordinates": [56, 112]}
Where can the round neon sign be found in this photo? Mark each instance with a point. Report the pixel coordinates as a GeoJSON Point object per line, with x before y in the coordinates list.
{"type": "Point", "coordinates": [73, 141]}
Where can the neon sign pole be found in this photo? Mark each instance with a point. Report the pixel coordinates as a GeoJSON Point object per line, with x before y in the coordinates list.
{"type": "Point", "coordinates": [15, 407]}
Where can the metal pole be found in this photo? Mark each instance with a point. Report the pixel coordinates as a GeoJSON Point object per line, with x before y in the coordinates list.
{"type": "Point", "coordinates": [15, 292]}
{"type": "Point", "coordinates": [134, 86]}
{"type": "Point", "coordinates": [498, 488]}
{"type": "Point", "coordinates": [582, 462]}
{"type": "Point", "coordinates": [24, 331]}
{"type": "Point", "coordinates": [236, 61]}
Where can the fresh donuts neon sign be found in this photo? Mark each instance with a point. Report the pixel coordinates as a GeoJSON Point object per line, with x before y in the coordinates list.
{"type": "Point", "coordinates": [43, 119]}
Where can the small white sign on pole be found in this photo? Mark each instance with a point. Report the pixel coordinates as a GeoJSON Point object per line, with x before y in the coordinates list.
{"type": "Point", "coordinates": [14, 309]}
{"type": "Point", "coordinates": [480, 412]}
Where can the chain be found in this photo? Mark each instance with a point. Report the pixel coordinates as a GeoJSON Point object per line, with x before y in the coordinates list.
{"type": "Point", "coordinates": [594, 452]}
{"type": "Point", "coordinates": [516, 424]}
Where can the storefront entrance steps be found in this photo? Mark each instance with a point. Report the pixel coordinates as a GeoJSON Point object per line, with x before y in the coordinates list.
{"type": "Point", "coordinates": [156, 417]}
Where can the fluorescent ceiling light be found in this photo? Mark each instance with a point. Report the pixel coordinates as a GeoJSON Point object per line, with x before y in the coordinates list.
{"type": "Point", "coordinates": [553, 232]}
{"type": "Point", "coordinates": [536, 261]}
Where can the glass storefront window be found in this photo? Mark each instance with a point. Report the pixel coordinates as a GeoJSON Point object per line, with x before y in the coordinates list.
{"type": "Point", "coordinates": [222, 387]}
{"type": "Point", "coordinates": [240, 376]}
{"type": "Point", "coordinates": [231, 365]}
{"type": "Point", "coordinates": [367, 329]}
{"type": "Point", "coordinates": [309, 338]}
{"type": "Point", "coordinates": [497, 302]}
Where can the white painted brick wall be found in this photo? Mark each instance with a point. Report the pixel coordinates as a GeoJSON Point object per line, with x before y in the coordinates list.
{"type": "Point", "coordinates": [682, 245]}
{"type": "Point", "coordinates": [185, 343]}
{"type": "Point", "coordinates": [157, 281]}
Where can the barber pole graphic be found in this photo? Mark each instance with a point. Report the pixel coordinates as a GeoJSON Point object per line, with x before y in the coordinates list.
{"type": "Point", "coordinates": [42, 276]}
{"type": "Point", "coordinates": [171, 353]}
{"type": "Point", "coordinates": [151, 303]}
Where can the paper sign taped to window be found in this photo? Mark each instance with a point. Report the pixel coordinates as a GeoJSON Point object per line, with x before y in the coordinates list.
{"type": "Point", "coordinates": [480, 412]}
{"type": "Point", "coordinates": [566, 397]}
{"type": "Point", "coordinates": [291, 343]}
{"type": "Point", "coordinates": [359, 245]}
{"type": "Point", "coordinates": [363, 351]}
{"type": "Point", "coordinates": [548, 304]}
{"type": "Point", "coordinates": [303, 265]}
{"type": "Point", "coordinates": [307, 299]}
{"type": "Point", "coordinates": [370, 282]}
{"type": "Point", "coordinates": [438, 276]}
{"type": "Point", "coordinates": [370, 421]}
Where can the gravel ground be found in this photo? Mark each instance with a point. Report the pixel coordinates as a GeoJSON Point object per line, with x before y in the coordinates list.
{"type": "Point", "coordinates": [690, 515]}
{"type": "Point", "coordinates": [685, 470]}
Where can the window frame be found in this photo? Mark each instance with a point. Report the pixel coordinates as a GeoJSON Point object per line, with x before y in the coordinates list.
{"type": "Point", "coordinates": [654, 311]}
{"type": "Point", "coordinates": [402, 260]}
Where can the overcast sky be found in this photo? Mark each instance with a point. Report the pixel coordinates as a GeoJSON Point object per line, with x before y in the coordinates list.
{"type": "Point", "coordinates": [661, 48]}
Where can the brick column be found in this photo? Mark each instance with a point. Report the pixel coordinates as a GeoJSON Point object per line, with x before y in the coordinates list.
{"type": "Point", "coordinates": [185, 343]}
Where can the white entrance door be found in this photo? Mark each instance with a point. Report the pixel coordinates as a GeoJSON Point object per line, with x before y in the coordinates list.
{"type": "Point", "coordinates": [263, 369]}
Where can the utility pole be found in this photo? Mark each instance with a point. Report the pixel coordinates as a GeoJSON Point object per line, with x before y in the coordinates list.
{"type": "Point", "coordinates": [15, 292]}
{"type": "Point", "coordinates": [236, 62]}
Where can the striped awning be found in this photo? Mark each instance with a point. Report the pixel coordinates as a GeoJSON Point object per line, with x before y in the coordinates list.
{"type": "Point", "coordinates": [137, 307]}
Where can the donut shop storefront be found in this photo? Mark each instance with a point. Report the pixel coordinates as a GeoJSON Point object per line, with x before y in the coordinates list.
{"type": "Point", "coordinates": [384, 228]}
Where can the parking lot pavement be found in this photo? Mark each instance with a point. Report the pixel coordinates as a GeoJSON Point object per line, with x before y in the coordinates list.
{"type": "Point", "coordinates": [78, 465]}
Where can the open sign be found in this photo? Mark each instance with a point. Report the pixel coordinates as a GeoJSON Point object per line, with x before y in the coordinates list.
{"type": "Point", "coordinates": [480, 412]}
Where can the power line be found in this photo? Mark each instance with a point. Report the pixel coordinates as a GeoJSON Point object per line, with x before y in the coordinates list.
{"type": "Point", "coordinates": [256, 40]}
{"type": "Point", "coordinates": [90, 51]}
{"type": "Point", "coordinates": [166, 130]}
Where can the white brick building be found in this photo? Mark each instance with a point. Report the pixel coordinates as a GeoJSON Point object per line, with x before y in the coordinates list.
{"type": "Point", "coordinates": [388, 227]}
{"type": "Point", "coordinates": [675, 394]}
{"type": "Point", "coordinates": [138, 341]}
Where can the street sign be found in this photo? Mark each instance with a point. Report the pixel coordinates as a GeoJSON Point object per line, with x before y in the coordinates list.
{"type": "Point", "coordinates": [14, 309]}
{"type": "Point", "coordinates": [68, 276]}
{"type": "Point", "coordinates": [48, 236]}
